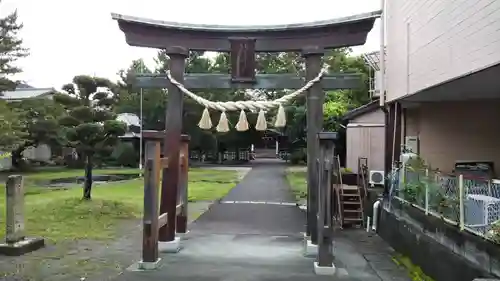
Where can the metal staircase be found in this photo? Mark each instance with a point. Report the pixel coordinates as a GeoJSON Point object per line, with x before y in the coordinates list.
{"type": "Point", "coordinates": [349, 202]}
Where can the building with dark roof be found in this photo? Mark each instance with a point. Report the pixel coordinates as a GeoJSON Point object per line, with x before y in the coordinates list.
{"type": "Point", "coordinates": [25, 91]}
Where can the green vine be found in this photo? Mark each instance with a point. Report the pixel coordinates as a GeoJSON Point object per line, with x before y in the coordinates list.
{"type": "Point", "coordinates": [494, 233]}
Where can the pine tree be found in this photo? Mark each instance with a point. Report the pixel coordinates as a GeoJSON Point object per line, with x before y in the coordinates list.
{"type": "Point", "coordinates": [11, 49]}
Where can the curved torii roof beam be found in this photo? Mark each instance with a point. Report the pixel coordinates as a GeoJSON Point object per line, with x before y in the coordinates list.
{"type": "Point", "coordinates": [327, 34]}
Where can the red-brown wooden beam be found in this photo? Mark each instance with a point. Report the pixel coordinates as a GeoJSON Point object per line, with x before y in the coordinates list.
{"type": "Point", "coordinates": [172, 144]}
{"type": "Point", "coordinates": [182, 215]}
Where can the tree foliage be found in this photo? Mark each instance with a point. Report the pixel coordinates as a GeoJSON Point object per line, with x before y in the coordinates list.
{"type": "Point", "coordinates": [90, 124]}
{"type": "Point", "coordinates": [11, 133]}
{"type": "Point", "coordinates": [129, 99]}
{"type": "Point", "coordinates": [39, 125]}
{"type": "Point", "coordinates": [11, 49]}
{"type": "Point", "coordinates": [337, 103]}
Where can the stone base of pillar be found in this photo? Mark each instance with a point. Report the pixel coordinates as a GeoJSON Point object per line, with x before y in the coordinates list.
{"type": "Point", "coordinates": [170, 246]}
{"type": "Point", "coordinates": [310, 249]}
{"type": "Point", "coordinates": [149, 265]}
{"type": "Point", "coordinates": [324, 270]}
{"type": "Point", "coordinates": [181, 235]}
{"type": "Point", "coordinates": [21, 247]}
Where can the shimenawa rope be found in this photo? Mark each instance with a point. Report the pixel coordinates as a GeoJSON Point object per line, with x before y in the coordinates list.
{"type": "Point", "coordinates": [242, 125]}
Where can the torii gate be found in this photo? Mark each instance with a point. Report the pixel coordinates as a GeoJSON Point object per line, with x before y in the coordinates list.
{"type": "Point", "coordinates": [242, 42]}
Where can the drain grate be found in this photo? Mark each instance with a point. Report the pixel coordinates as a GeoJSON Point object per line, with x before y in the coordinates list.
{"type": "Point", "coordinates": [260, 202]}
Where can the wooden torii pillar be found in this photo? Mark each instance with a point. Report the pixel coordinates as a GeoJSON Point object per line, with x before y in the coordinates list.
{"type": "Point", "coordinates": [243, 42]}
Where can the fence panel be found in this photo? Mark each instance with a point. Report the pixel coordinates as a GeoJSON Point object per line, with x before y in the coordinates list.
{"type": "Point", "coordinates": [471, 203]}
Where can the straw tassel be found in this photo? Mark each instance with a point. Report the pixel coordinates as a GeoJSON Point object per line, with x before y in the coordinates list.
{"type": "Point", "coordinates": [223, 126]}
{"type": "Point", "coordinates": [261, 121]}
{"type": "Point", "coordinates": [205, 121]}
{"type": "Point", "coordinates": [280, 118]}
{"type": "Point", "coordinates": [242, 124]}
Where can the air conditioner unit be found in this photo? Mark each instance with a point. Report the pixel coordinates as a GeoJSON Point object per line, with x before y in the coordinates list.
{"type": "Point", "coordinates": [376, 178]}
{"type": "Point", "coordinates": [481, 210]}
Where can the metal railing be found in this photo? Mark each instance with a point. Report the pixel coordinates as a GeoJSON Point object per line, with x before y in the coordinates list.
{"type": "Point", "coordinates": [470, 203]}
{"type": "Point", "coordinates": [243, 154]}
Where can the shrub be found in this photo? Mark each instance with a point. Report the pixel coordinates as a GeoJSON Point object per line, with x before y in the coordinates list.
{"type": "Point", "coordinates": [494, 233]}
{"type": "Point", "coordinates": [125, 155]}
{"type": "Point", "coordinates": [298, 157]}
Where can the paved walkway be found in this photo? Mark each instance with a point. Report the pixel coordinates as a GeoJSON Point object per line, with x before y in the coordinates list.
{"type": "Point", "coordinates": [254, 234]}
{"type": "Point", "coordinates": [266, 182]}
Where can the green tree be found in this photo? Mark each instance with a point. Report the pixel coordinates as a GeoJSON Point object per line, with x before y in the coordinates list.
{"type": "Point", "coordinates": [337, 102]}
{"type": "Point", "coordinates": [332, 112]}
{"type": "Point", "coordinates": [11, 49]}
{"type": "Point", "coordinates": [11, 129]}
{"type": "Point", "coordinates": [38, 118]}
{"type": "Point", "coordinates": [129, 99]}
{"type": "Point", "coordinates": [90, 125]}
{"type": "Point", "coordinates": [342, 60]}
{"type": "Point", "coordinates": [155, 100]}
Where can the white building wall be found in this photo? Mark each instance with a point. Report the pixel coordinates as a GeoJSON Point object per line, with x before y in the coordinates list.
{"type": "Point", "coordinates": [432, 41]}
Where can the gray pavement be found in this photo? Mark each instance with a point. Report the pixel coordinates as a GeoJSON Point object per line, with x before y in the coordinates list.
{"type": "Point", "coordinates": [266, 182]}
{"type": "Point", "coordinates": [254, 234]}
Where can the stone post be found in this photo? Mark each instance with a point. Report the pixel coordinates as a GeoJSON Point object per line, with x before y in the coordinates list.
{"type": "Point", "coordinates": [16, 243]}
{"type": "Point", "coordinates": [15, 209]}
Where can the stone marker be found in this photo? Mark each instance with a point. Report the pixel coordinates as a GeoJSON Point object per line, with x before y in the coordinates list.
{"type": "Point", "coordinates": [16, 243]}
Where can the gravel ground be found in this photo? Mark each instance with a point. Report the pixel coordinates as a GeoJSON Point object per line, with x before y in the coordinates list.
{"type": "Point", "coordinates": [89, 260]}
{"type": "Point", "coordinates": [84, 259]}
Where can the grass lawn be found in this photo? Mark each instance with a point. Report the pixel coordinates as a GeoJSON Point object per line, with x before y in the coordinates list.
{"type": "Point", "coordinates": [298, 183]}
{"type": "Point", "coordinates": [60, 214]}
{"type": "Point", "coordinates": [195, 174]}
{"type": "Point", "coordinates": [58, 173]}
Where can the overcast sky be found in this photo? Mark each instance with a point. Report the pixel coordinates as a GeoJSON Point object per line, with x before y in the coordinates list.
{"type": "Point", "coordinates": [72, 37]}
